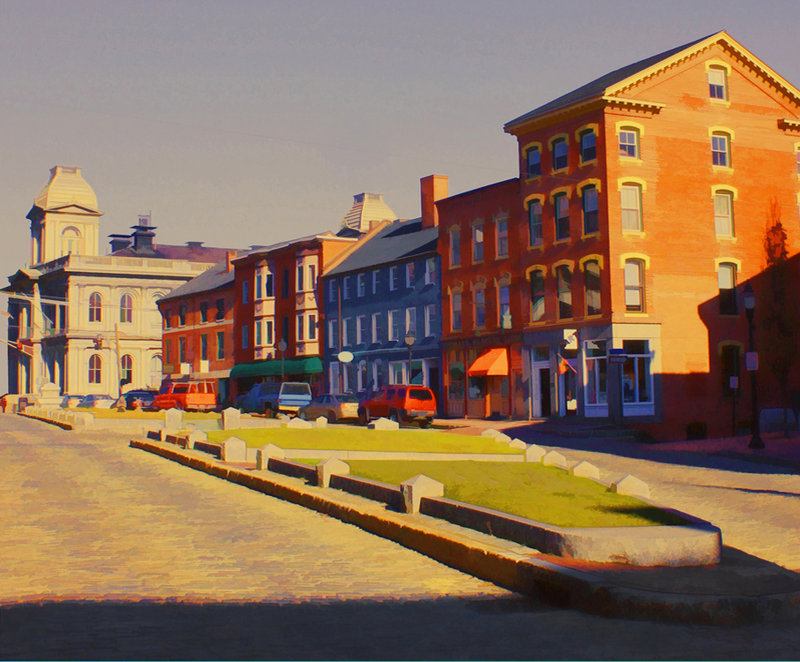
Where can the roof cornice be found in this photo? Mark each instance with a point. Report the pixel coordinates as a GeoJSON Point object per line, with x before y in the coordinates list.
{"type": "Point", "coordinates": [789, 124]}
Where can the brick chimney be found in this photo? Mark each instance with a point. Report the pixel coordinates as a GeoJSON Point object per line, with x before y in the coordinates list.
{"type": "Point", "coordinates": [229, 255]}
{"type": "Point", "coordinates": [431, 189]}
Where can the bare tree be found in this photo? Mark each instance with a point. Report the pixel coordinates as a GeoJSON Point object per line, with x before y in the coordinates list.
{"type": "Point", "coordinates": [778, 307]}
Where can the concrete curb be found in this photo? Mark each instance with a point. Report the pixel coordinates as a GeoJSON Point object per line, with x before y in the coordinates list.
{"type": "Point", "coordinates": [504, 563]}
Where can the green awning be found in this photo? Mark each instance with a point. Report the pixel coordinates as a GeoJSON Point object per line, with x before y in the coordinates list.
{"type": "Point", "coordinates": [310, 365]}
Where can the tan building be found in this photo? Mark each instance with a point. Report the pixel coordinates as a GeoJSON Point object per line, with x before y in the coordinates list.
{"type": "Point", "coordinates": [85, 321]}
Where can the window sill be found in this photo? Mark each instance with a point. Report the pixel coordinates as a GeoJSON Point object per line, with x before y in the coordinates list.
{"type": "Point", "coordinates": [560, 171]}
{"type": "Point", "coordinates": [723, 169]}
{"type": "Point", "coordinates": [631, 159]}
{"type": "Point", "coordinates": [590, 162]}
{"type": "Point", "coordinates": [501, 257]}
{"type": "Point", "coordinates": [533, 179]}
{"type": "Point", "coordinates": [537, 247]}
{"type": "Point", "coordinates": [630, 313]}
{"type": "Point", "coordinates": [590, 235]}
{"type": "Point", "coordinates": [720, 102]}
{"type": "Point", "coordinates": [561, 241]}
{"type": "Point", "coordinates": [730, 238]}
{"type": "Point", "coordinates": [454, 266]}
{"type": "Point", "coordinates": [634, 233]}
{"type": "Point", "coordinates": [474, 262]}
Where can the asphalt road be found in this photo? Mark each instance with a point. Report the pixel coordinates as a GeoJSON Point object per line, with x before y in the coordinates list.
{"type": "Point", "coordinates": [111, 553]}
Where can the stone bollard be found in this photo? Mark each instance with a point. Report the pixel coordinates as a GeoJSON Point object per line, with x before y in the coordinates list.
{"type": "Point", "coordinates": [195, 435]}
{"type": "Point", "coordinates": [518, 444]}
{"type": "Point", "coordinates": [555, 459]}
{"type": "Point", "coordinates": [231, 419]}
{"type": "Point", "coordinates": [490, 432]}
{"type": "Point", "coordinates": [173, 419]}
{"type": "Point", "coordinates": [234, 450]}
{"type": "Point", "coordinates": [299, 424]}
{"type": "Point", "coordinates": [321, 422]}
{"type": "Point", "coordinates": [585, 469]}
{"type": "Point", "coordinates": [383, 424]}
{"type": "Point", "coordinates": [414, 489]}
{"type": "Point", "coordinates": [631, 486]}
{"type": "Point", "coordinates": [265, 452]}
{"type": "Point", "coordinates": [327, 468]}
{"type": "Point", "coordinates": [534, 453]}
{"type": "Point", "coordinates": [502, 438]}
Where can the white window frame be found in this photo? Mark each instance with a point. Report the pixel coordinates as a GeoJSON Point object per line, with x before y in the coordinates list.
{"type": "Point", "coordinates": [300, 327]}
{"type": "Point", "coordinates": [394, 325]}
{"type": "Point", "coordinates": [332, 328]}
{"type": "Point", "coordinates": [502, 237]}
{"type": "Point", "coordinates": [361, 281]}
{"type": "Point", "coordinates": [375, 326]}
{"type": "Point", "coordinates": [375, 274]}
{"type": "Point", "coordinates": [409, 275]}
{"type": "Point", "coordinates": [345, 331]}
{"type": "Point", "coordinates": [411, 320]}
{"type": "Point", "coordinates": [430, 271]}
{"type": "Point", "coordinates": [724, 222]}
{"type": "Point", "coordinates": [394, 278]}
{"type": "Point", "coordinates": [627, 218]}
{"type": "Point", "coordinates": [430, 311]}
{"type": "Point", "coordinates": [361, 324]}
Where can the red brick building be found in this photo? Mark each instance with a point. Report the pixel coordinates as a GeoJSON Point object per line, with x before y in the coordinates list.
{"type": "Point", "coordinates": [278, 299]}
{"type": "Point", "coordinates": [644, 194]}
{"type": "Point", "coordinates": [198, 327]}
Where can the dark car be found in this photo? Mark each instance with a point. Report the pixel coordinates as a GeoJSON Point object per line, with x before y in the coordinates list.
{"type": "Point", "coordinates": [140, 399]}
{"type": "Point", "coordinates": [404, 404]}
{"type": "Point", "coordinates": [271, 397]}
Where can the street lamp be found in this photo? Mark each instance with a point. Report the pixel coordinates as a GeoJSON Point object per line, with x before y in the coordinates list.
{"type": "Point", "coordinates": [282, 349]}
{"type": "Point", "coordinates": [410, 338]}
{"type": "Point", "coordinates": [751, 363]}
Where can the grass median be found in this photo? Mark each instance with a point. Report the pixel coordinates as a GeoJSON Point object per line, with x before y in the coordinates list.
{"type": "Point", "coordinates": [360, 439]}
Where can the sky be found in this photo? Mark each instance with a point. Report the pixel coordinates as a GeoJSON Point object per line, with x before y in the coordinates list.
{"type": "Point", "coordinates": [238, 123]}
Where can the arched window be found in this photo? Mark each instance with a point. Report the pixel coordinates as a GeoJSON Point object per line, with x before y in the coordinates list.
{"type": "Point", "coordinates": [95, 369]}
{"type": "Point", "coordinates": [723, 214]}
{"type": "Point", "coordinates": [126, 369]}
{"type": "Point", "coordinates": [564, 282]}
{"type": "Point", "coordinates": [634, 286]}
{"type": "Point", "coordinates": [631, 205]}
{"type": "Point", "coordinates": [537, 295]}
{"type": "Point", "coordinates": [126, 309]}
{"type": "Point", "coordinates": [70, 241]}
{"type": "Point", "coordinates": [559, 148]}
{"type": "Point", "coordinates": [95, 307]}
{"type": "Point", "coordinates": [591, 276]}
{"type": "Point", "coordinates": [588, 146]}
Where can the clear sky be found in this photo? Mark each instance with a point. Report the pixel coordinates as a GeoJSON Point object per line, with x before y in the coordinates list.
{"type": "Point", "coordinates": [239, 123]}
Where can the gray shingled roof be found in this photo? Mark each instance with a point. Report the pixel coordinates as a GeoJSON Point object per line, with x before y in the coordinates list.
{"type": "Point", "coordinates": [598, 86]}
{"type": "Point", "coordinates": [211, 279]}
{"type": "Point", "coordinates": [397, 241]}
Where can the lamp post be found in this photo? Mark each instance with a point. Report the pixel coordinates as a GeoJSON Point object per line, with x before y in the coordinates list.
{"type": "Point", "coordinates": [751, 362]}
{"type": "Point", "coordinates": [410, 338]}
{"type": "Point", "coordinates": [282, 348]}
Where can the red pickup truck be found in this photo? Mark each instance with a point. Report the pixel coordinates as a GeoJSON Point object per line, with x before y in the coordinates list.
{"type": "Point", "coordinates": [189, 394]}
{"type": "Point", "coordinates": [403, 404]}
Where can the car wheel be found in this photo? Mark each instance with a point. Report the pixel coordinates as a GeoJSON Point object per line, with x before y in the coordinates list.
{"type": "Point", "coordinates": [302, 416]}
{"type": "Point", "coordinates": [363, 416]}
{"type": "Point", "coordinates": [331, 416]}
{"type": "Point", "coordinates": [269, 412]}
{"type": "Point", "coordinates": [425, 422]}
{"type": "Point", "coordinates": [394, 416]}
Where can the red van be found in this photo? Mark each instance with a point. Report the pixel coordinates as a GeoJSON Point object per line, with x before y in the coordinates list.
{"type": "Point", "coordinates": [188, 394]}
{"type": "Point", "coordinates": [404, 404]}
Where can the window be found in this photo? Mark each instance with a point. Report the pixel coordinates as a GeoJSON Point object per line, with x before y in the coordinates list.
{"type": "Point", "coordinates": [300, 328]}
{"type": "Point", "coordinates": [258, 338]}
{"type": "Point", "coordinates": [503, 307]}
{"type": "Point", "coordinates": [204, 311]}
{"type": "Point", "coordinates": [361, 376]}
{"type": "Point", "coordinates": [269, 331]}
{"type": "Point", "coordinates": [591, 222]}
{"type": "Point", "coordinates": [346, 288]}
{"type": "Point", "coordinates": [259, 286]}
{"type": "Point", "coordinates": [346, 331]}
{"type": "Point", "coordinates": [479, 305]}
{"type": "Point", "coordinates": [361, 284]}
{"type": "Point", "coordinates": [477, 243]}
{"type": "Point", "coordinates": [167, 314]}
{"type": "Point", "coordinates": [634, 286]}
{"type": "Point", "coordinates": [95, 369]}
{"type": "Point", "coordinates": [502, 238]}
{"type": "Point", "coordinates": [126, 309]}
{"type": "Point", "coordinates": [375, 281]}
{"type": "Point", "coordinates": [411, 320]}
{"type": "Point", "coordinates": [312, 327]}
{"type": "Point", "coordinates": [376, 327]}
{"type": "Point", "coordinates": [717, 84]}
{"type": "Point", "coordinates": [333, 328]}
{"type": "Point", "coordinates": [285, 284]}
{"type": "Point", "coordinates": [537, 295]}
{"type": "Point", "coordinates": [431, 319]}
{"type": "Point", "coordinates": [629, 143]}
{"type": "Point", "coordinates": [245, 337]}
{"type": "Point", "coordinates": [126, 369]}
{"type": "Point", "coordinates": [220, 309]}
{"type": "Point", "coordinates": [182, 316]}
{"type": "Point", "coordinates": [730, 366]}
{"type": "Point", "coordinates": [395, 325]}
{"type": "Point", "coordinates": [596, 372]}
{"type": "Point", "coordinates": [564, 284]}
{"type": "Point", "coordinates": [455, 311]}
{"type": "Point", "coordinates": [588, 146]}
{"type": "Point", "coordinates": [561, 206]}
{"type": "Point", "coordinates": [533, 160]}
{"type": "Point", "coordinates": [245, 291]}
{"type": "Point", "coordinates": [312, 276]}
{"type": "Point", "coordinates": [559, 154]}
{"type": "Point", "coordinates": [723, 214]}
{"type": "Point", "coordinates": [361, 329]}
{"type": "Point", "coordinates": [430, 271]}
{"type": "Point", "coordinates": [95, 308]}
{"type": "Point", "coordinates": [720, 150]}
{"type": "Point", "coordinates": [299, 283]}
{"type": "Point", "coordinates": [636, 379]}
{"type": "Point", "coordinates": [591, 277]}
{"type": "Point", "coordinates": [285, 327]}
{"type": "Point", "coordinates": [534, 223]}
{"type": "Point", "coordinates": [631, 205]}
{"type": "Point", "coordinates": [181, 350]}
{"type": "Point", "coordinates": [332, 291]}
{"type": "Point", "coordinates": [726, 277]}
{"type": "Point", "coordinates": [168, 349]}
{"type": "Point", "coordinates": [220, 344]}
{"type": "Point", "coordinates": [455, 248]}
{"type": "Point", "coordinates": [410, 275]}
{"type": "Point", "coordinates": [269, 285]}
{"type": "Point", "coordinates": [204, 347]}
{"type": "Point", "coordinates": [394, 278]}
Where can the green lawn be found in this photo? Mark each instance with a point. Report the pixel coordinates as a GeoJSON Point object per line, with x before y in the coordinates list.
{"type": "Point", "coordinates": [544, 494]}
{"type": "Point", "coordinates": [361, 439]}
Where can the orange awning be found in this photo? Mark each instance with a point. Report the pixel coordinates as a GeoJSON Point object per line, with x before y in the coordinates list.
{"type": "Point", "coordinates": [493, 363]}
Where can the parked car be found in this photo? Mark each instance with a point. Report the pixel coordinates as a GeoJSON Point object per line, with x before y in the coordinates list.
{"type": "Point", "coordinates": [403, 404]}
{"type": "Point", "coordinates": [333, 406]}
{"type": "Point", "coordinates": [104, 401]}
{"type": "Point", "coordinates": [140, 399]}
{"type": "Point", "coordinates": [188, 394]}
{"type": "Point", "coordinates": [271, 397]}
{"type": "Point", "coordinates": [68, 401]}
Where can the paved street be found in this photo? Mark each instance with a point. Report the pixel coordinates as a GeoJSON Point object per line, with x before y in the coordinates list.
{"type": "Point", "coordinates": [111, 553]}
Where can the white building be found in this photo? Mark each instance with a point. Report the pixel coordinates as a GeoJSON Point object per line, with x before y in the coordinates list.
{"type": "Point", "coordinates": [84, 321]}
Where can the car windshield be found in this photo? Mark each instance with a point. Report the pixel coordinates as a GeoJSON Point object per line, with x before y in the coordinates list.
{"type": "Point", "coordinates": [180, 388]}
{"type": "Point", "coordinates": [295, 389]}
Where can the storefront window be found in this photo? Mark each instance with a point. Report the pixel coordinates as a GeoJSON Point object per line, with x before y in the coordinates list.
{"type": "Point", "coordinates": [596, 372]}
{"type": "Point", "coordinates": [636, 378]}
